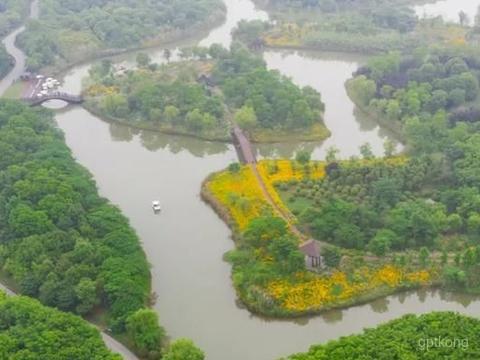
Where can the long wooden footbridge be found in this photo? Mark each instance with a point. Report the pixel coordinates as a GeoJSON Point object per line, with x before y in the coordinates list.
{"type": "Point", "coordinates": [246, 154]}
{"type": "Point", "coordinates": [69, 98]}
{"type": "Point", "coordinates": [243, 146]}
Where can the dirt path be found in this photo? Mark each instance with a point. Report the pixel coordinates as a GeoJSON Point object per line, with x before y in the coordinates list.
{"type": "Point", "coordinates": [281, 212]}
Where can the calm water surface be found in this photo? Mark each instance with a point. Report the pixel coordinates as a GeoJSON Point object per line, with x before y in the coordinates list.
{"type": "Point", "coordinates": [186, 242]}
{"type": "Point", "coordinates": [449, 9]}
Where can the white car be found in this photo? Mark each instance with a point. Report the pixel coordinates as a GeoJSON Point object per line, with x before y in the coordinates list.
{"type": "Point", "coordinates": [156, 206]}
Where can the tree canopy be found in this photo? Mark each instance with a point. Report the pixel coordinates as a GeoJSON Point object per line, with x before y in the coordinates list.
{"type": "Point", "coordinates": [432, 336]}
{"type": "Point", "coordinates": [31, 331]}
{"type": "Point", "coordinates": [59, 240]}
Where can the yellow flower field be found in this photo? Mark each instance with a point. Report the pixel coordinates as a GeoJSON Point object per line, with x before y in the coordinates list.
{"type": "Point", "coordinates": [240, 194]}
{"type": "Point", "coordinates": [316, 292]}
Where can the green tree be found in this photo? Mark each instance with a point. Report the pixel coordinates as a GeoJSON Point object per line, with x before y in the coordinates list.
{"type": "Point", "coordinates": [366, 151]}
{"type": "Point", "coordinates": [303, 157]}
{"type": "Point", "coordinates": [87, 295]}
{"type": "Point", "coordinates": [143, 328]}
{"type": "Point", "coordinates": [171, 113]}
{"type": "Point", "coordinates": [331, 155]}
{"type": "Point", "coordinates": [382, 242]}
{"type": "Point", "coordinates": [364, 89]}
{"type": "Point", "coordinates": [246, 118]}
{"type": "Point", "coordinates": [184, 349]}
{"type": "Point", "coordinates": [423, 256]}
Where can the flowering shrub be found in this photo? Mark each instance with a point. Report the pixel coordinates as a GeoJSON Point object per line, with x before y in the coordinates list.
{"type": "Point", "coordinates": [240, 193]}
{"type": "Point", "coordinates": [310, 292]}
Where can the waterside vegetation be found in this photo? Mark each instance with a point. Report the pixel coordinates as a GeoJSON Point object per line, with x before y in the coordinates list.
{"type": "Point", "coordinates": [61, 242]}
{"type": "Point", "coordinates": [206, 94]}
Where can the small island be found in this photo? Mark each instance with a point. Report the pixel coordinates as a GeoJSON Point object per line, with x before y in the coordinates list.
{"type": "Point", "coordinates": [206, 95]}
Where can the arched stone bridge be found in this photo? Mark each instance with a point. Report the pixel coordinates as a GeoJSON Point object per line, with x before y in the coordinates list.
{"type": "Point", "coordinates": [69, 98]}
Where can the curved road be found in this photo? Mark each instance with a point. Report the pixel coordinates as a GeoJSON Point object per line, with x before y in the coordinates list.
{"type": "Point", "coordinates": [5, 83]}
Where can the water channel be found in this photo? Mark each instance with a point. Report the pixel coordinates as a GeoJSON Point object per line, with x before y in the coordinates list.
{"type": "Point", "coordinates": [186, 243]}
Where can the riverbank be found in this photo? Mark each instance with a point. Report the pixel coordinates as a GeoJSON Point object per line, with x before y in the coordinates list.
{"type": "Point", "coordinates": [394, 127]}
{"type": "Point", "coordinates": [144, 125]}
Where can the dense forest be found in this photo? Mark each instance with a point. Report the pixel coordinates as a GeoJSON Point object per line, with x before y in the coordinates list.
{"type": "Point", "coordinates": [200, 95]}
{"type": "Point", "coordinates": [61, 242]}
{"type": "Point", "coordinates": [31, 331]}
{"type": "Point", "coordinates": [431, 97]}
{"type": "Point", "coordinates": [68, 31]}
{"type": "Point", "coordinates": [431, 336]}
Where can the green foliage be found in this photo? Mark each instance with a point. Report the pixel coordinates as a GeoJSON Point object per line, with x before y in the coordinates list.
{"type": "Point", "coordinates": [146, 334]}
{"type": "Point", "coordinates": [71, 30]}
{"type": "Point", "coordinates": [363, 89]}
{"type": "Point", "coordinates": [303, 157]}
{"type": "Point", "coordinates": [382, 242]}
{"type": "Point", "coordinates": [276, 101]}
{"type": "Point", "coordinates": [367, 205]}
{"type": "Point", "coordinates": [332, 256]}
{"type": "Point", "coordinates": [410, 337]}
{"type": "Point", "coordinates": [31, 331]}
{"type": "Point", "coordinates": [190, 97]}
{"type": "Point", "coordinates": [234, 167]}
{"type": "Point", "coordinates": [59, 240]}
{"type": "Point", "coordinates": [170, 97]}
{"type": "Point", "coordinates": [246, 118]}
{"type": "Point", "coordinates": [266, 251]}
{"type": "Point", "coordinates": [184, 349]}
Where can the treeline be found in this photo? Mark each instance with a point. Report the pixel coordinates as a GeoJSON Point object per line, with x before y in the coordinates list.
{"type": "Point", "coordinates": [60, 241]}
{"type": "Point", "coordinates": [29, 330]}
{"type": "Point", "coordinates": [69, 30]}
{"type": "Point", "coordinates": [431, 336]}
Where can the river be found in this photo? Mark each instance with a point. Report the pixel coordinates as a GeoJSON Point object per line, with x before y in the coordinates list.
{"type": "Point", "coordinates": [186, 242]}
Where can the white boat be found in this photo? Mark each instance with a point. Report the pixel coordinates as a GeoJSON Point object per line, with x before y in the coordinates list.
{"type": "Point", "coordinates": [156, 206]}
